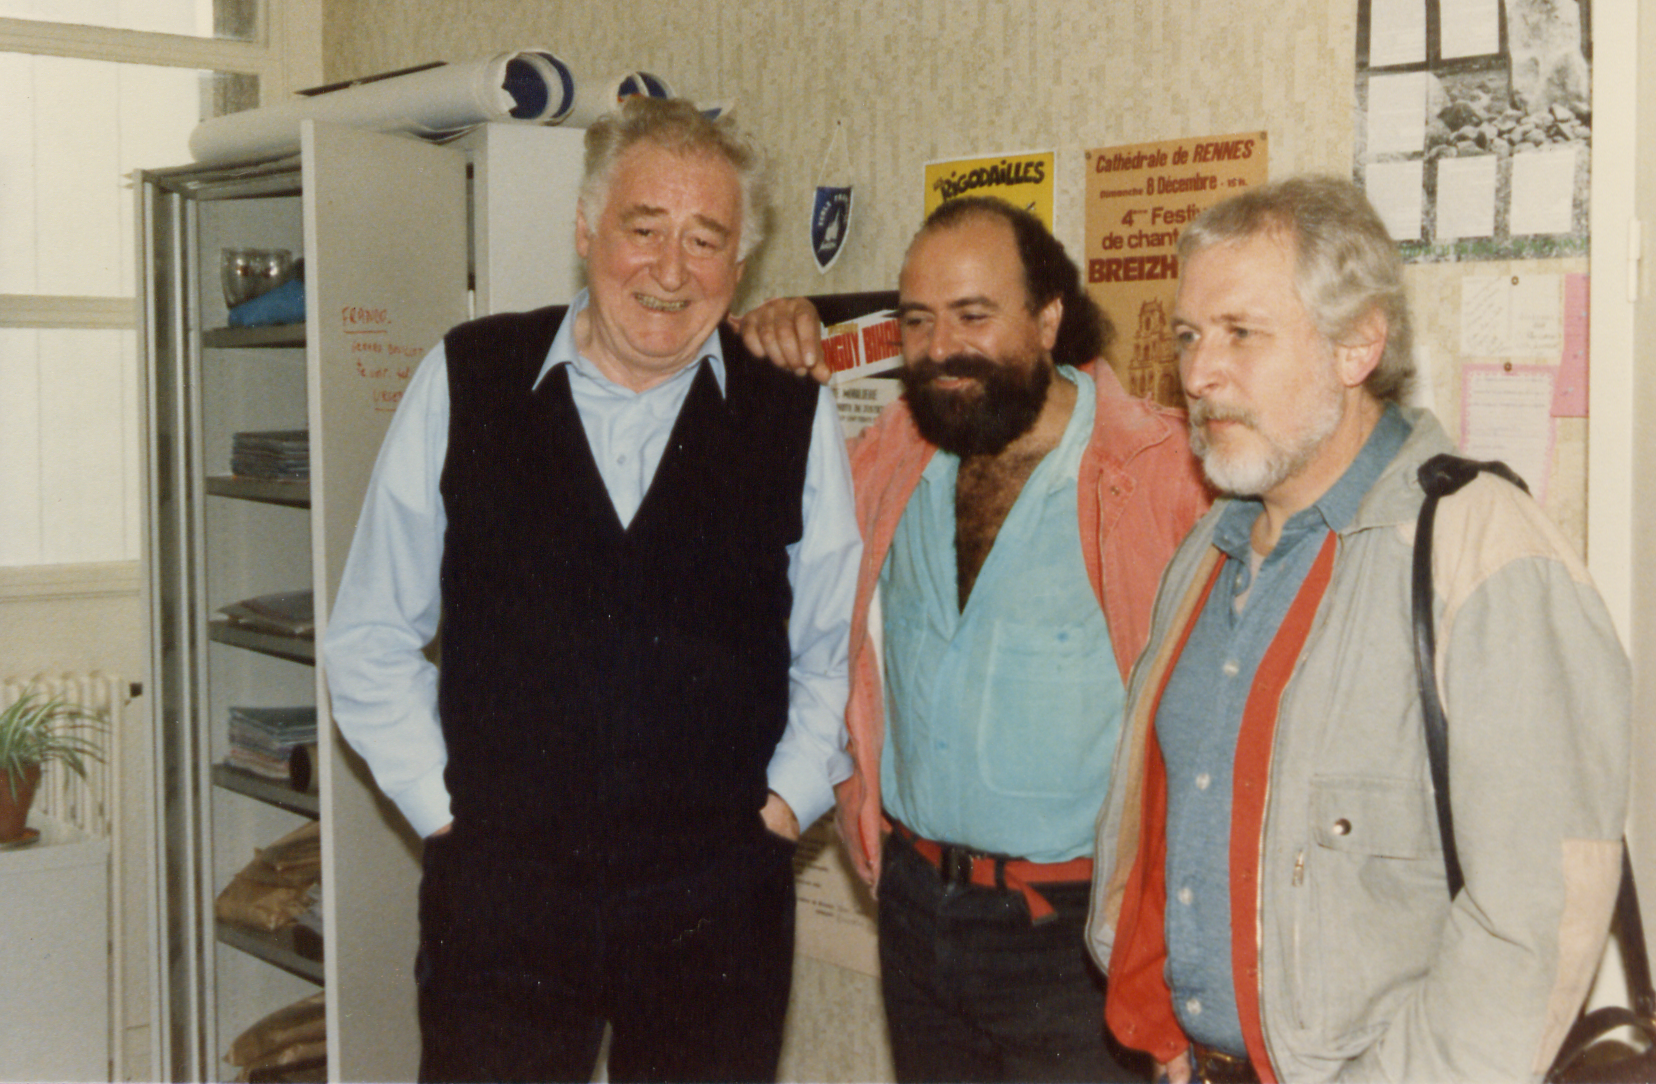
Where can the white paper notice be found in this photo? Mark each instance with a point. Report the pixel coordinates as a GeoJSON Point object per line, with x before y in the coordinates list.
{"type": "Point", "coordinates": [1466, 197]}
{"type": "Point", "coordinates": [1423, 392]}
{"type": "Point", "coordinates": [1506, 414]}
{"type": "Point", "coordinates": [1543, 192]}
{"type": "Point", "coordinates": [1396, 113]}
{"type": "Point", "coordinates": [1395, 190]}
{"type": "Point", "coordinates": [1512, 316]}
{"type": "Point", "coordinates": [1537, 316]}
{"type": "Point", "coordinates": [860, 402]}
{"type": "Point", "coordinates": [1397, 32]}
{"type": "Point", "coordinates": [1486, 315]}
{"type": "Point", "coordinates": [1469, 27]}
{"type": "Point", "coordinates": [834, 915]}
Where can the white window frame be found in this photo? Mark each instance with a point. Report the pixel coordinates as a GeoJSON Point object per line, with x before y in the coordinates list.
{"type": "Point", "coordinates": [285, 54]}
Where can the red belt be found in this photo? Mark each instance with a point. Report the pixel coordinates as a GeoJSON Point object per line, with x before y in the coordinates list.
{"type": "Point", "coordinates": [958, 865]}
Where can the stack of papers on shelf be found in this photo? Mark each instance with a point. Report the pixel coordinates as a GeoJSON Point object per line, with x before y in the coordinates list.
{"type": "Point", "coordinates": [262, 739]}
{"type": "Point", "coordinates": [277, 455]}
{"type": "Point", "coordinates": [285, 613]}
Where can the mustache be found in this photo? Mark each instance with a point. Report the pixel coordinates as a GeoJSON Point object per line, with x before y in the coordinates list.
{"type": "Point", "coordinates": [960, 366]}
{"type": "Point", "coordinates": [1203, 411]}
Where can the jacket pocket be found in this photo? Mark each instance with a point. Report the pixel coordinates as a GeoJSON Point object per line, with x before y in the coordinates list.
{"type": "Point", "coordinates": [1371, 817]}
{"type": "Point", "coordinates": [1370, 874]}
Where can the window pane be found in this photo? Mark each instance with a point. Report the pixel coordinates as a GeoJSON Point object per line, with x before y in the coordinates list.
{"type": "Point", "coordinates": [76, 129]}
{"type": "Point", "coordinates": [235, 19]}
{"type": "Point", "coordinates": [69, 447]}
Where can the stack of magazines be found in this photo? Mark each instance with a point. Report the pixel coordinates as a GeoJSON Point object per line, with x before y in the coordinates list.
{"type": "Point", "coordinates": [278, 455]}
{"type": "Point", "coordinates": [285, 613]}
{"type": "Point", "coordinates": [263, 739]}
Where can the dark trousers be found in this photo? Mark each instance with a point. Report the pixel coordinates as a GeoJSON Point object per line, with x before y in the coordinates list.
{"type": "Point", "coordinates": [975, 992]}
{"type": "Point", "coordinates": [521, 964]}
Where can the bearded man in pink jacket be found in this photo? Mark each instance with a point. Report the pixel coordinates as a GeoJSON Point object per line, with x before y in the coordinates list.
{"type": "Point", "coordinates": [1016, 508]}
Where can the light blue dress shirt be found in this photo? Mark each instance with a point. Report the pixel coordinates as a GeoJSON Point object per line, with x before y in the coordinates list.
{"type": "Point", "coordinates": [1200, 717]}
{"type": "Point", "coordinates": [1002, 718]}
{"type": "Point", "coordinates": [384, 690]}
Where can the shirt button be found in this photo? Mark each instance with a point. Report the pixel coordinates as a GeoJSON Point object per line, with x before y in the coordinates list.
{"type": "Point", "coordinates": [1231, 668]}
{"type": "Point", "coordinates": [1203, 780]}
{"type": "Point", "coordinates": [621, 459]}
{"type": "Point", "coordinates": [1193, 1007]}
{"type": "Point", "coordinates": [1342, 827]}
{"type": "Point", "coordinates": [1186, 896]}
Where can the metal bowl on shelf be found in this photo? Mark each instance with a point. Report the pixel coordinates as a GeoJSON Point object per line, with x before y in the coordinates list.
{"type": "Point", "coordinates": [252, 272]}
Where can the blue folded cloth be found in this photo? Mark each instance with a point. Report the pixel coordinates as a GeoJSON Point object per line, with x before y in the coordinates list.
{"type": "Point", "coordinates": [283, 305]}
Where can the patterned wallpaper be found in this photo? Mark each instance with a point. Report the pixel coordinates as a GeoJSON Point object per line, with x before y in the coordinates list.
{"type": "Point", "coordinates": [916, 81]}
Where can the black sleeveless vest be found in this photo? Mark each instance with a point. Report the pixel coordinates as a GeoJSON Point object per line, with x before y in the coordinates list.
{"type": "Point", "coordinates": [602, 686]}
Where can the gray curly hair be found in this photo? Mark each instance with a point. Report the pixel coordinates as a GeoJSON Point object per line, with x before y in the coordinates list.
{"type": "Point", "coordinates": [676, 125]}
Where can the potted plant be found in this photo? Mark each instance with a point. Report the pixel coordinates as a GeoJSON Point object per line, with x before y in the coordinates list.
{"type": "Point", "coordinates": [34, 731]}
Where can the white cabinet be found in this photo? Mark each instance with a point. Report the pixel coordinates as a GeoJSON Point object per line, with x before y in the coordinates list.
{"type": "Point", "coordinates": [387, 227]}
{"type": "Point", "coordinates": [54, 968]}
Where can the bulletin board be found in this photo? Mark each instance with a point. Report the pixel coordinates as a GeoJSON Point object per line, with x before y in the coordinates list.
{"type": "Point", "coordinates": [1474, 125]}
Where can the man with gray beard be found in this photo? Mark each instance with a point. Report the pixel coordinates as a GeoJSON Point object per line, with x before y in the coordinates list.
{"type": "Point", "coordinates": [1273, 900]}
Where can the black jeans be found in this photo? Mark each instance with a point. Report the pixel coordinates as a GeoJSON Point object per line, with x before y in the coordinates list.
{"type": "Point", "coordinates": [521, 964]}
{"type": "Point", "coordinates": [974, 992]}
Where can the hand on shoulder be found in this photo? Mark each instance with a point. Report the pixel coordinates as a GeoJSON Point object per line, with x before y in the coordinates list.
{"type": "Point", "coordinates": [787, 331]}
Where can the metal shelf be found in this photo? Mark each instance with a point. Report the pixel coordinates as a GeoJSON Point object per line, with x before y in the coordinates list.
{"type": "Point", "coordinates": [264, 490]}
{"type": "Point", "coordinates": [295, 949]}
{"type": "Point", "coordinates": [275, 335]}
{"type": "Point", "coordinates": [268, 791]}
{"type": "Point", "coordinates": [292, 648]}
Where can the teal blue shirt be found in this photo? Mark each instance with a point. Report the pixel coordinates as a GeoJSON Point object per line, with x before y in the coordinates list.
{"type": "Point", "coordinates": [1002, 719]}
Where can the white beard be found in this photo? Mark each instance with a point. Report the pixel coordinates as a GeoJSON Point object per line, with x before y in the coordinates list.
{"type": "Point", "coordinates": [1251, 471]}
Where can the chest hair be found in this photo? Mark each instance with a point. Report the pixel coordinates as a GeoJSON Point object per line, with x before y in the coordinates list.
{"type": "Point", "coordinates": [986, 487]}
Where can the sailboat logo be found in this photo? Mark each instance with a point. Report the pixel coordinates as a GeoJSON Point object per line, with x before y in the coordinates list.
{"type": "Point", "coordinates": [830, 224]}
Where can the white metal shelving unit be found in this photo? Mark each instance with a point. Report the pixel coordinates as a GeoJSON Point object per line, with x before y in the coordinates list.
{"type": "Point", "coordinates": [402, 231]}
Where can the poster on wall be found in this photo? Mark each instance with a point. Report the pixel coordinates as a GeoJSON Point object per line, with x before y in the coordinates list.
{"type": "Point", "coordinates": [1023, 179]}
{"type": "Point", "coordinates": [834, 915]}
{"type": "Point", "coordinates": [1474, 125]}
{"type": "Point", "coordinates": [1139, 198]}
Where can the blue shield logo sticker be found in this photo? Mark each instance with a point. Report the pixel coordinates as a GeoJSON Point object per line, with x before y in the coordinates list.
{"type": "Point", "coordinates": [830, 224]}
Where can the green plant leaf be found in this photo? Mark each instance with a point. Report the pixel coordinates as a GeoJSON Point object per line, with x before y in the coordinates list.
{"type": "Point", "coordinates": [38, 729]}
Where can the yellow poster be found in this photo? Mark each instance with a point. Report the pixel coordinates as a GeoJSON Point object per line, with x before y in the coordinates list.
{"type": "Point", "coordinates": [1139, 199]}
{"type": "Point", "coordinates": [1023, 180]}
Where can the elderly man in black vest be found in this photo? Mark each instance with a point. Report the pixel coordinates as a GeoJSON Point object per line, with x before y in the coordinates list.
{"type": "Point", "coordinates": [641, 546]}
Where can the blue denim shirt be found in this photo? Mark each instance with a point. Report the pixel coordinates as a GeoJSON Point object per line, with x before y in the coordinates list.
{"type": "Point", "coordinates": [1200, 716]}
{"type": "Point", "coordinates": [1003, 718]}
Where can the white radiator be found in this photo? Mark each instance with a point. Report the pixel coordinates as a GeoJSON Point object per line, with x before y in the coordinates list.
{"type": "Point", "coordinates": [92, 804]}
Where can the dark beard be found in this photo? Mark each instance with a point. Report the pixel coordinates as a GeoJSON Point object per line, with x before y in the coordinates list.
{"type": "Point", "coordinates": [980, 420]}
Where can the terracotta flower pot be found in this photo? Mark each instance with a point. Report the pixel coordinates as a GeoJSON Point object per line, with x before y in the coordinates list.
{"type": "Point", "coordinates": [14, 809]}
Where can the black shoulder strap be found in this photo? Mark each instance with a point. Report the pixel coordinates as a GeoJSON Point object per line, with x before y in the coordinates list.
{"type": "Point", "coordinates": [1439, 476]}
{"type": "Point", "coordinates": [1635, 957]}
